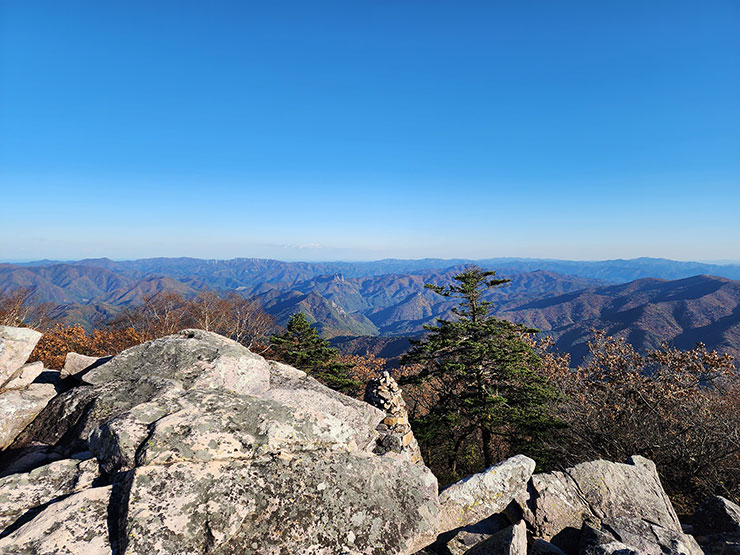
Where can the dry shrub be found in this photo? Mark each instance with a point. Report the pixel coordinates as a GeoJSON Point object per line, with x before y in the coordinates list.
{"type": "Point", "coordinates": [679, 408]}
{"type": "Point", "coordinates": [162, 314]}
{"type": "Point", "coordinates": [17, 308]}
{"type": "Point", "coordinates": [228, 314]}
{"type": "Point", "coordinates": [59, 340]}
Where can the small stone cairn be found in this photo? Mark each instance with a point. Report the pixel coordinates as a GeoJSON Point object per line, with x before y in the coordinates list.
{"type": "Point", "coordinates": [395, 431]}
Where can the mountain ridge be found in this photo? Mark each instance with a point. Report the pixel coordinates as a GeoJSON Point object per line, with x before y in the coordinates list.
{"type": "Point", "coordinates": [647, 310]}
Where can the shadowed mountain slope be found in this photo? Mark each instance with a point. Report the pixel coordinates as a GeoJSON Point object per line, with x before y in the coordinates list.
{"type": "Point", "coordinates": [646, 312]}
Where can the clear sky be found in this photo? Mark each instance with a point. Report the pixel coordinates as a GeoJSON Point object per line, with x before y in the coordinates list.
{"type": "Point", "coordinates": [368, 129]}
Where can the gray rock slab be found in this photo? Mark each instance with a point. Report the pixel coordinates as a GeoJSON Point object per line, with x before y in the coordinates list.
{"type": "Point", "coordinates": [21, 492]}
{"type": "Point", "coordinates": [636, 535]}
{"type": "Point", "coordinates": [193, 358]}
{"type": "Point", "coordinates": [75, 525]}
{"type": "Point", "coordinates": [509, 541]}
{"type": "Point", "coordinates": [558, 503]}
{"type": "Point", "coordinates": [75, 363]}
{"type": "Point", "coordinates": [294, 388]}
{"type": "Point", "coordinates": [459, 541]}
{"type": "Point", "coordinates": [304, 503]}
{"type": "Point", "coordinates": [25, 375]}
{"type": "Point", "coordinates": [16, 345]}
{"type": "Point", "coordinates": [71, 416]}
{"type": "Point", "coordinates": [213, 424]}
{"type": "Point", "coordinates": [717, 515]}
{"type": "Point", "coordinates": [479, 496]}
{"type": "Point", "coordinates": [19, 407]}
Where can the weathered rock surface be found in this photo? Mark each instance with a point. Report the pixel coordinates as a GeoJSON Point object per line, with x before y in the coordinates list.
{"type": "Point", "coordinates": [19, 407]}
{"type": "Point", "coordinates": [306, 503]}
{"type": "Point", "coordinates": [75, 363]}
{"type": "Point", "coordinates": [21, 492]}
{"type": "Point", "coordinates": [509, 541]}
{"type": "Point", "coordinates": [16, 345]}
{"type": "Point", "coordinates": [481, 495]}
{"type": "Point", "coordinates": [213, 424]}
{"type": "Point", "coordinates": [207, 447]}
{"type": "Point", "coordinates": [557, 504]}
{"type": "Point", "coordinates": [74, 525]}
{"type": "Point", "coordinates": [636, 535]}
{"type": "Point", "coordinates": [24, 376]}
{"type": "Point", "coordinates": [461, 540]}
{"type": "Point", "coordinates": [395, 435]}
{"type": "Point", "coordinates": [296, 389]}
{"type": "Point", "coordinates": [191, 358]}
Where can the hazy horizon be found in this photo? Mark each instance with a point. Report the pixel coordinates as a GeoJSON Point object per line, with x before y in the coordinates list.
{"type": "Point", "coordinates": [336, 131]}
{"type": "Point", "coordinates": [329, 261]}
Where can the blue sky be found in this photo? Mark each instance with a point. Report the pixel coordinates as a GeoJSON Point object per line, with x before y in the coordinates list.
{"type": "Point", "coordinates": [360, 130]}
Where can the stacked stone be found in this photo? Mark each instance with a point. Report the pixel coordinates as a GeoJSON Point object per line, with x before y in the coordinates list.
{"type": "Point", "coordinates": [395, 431]}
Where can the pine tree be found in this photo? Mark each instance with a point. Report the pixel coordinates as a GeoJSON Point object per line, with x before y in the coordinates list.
{"type": "Point", "coordinates": [482, 375]}
{"type": "Point", "coordinates": [301, 346]}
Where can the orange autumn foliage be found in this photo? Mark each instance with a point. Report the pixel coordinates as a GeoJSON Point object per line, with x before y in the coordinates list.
{"type": "Point", "coordinates": [59, 340]}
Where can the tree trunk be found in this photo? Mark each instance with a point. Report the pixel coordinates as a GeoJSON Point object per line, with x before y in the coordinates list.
{"type": "Point", "coordinates": [487, 448]}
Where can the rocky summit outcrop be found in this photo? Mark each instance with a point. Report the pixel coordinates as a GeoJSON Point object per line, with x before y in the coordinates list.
{"type": "Point", "coordinates": [193, 444]}
{"type": "Point", "coordinates": [594, 508]}
{"type": "Point", "coordinates": [197, 445]}
{"type": "Point", "coordinates": [626, 498]}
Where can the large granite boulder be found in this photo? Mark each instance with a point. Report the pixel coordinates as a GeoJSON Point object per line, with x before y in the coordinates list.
{"type": "Point", "coordinates": [632, 535]}
{"type": "Point", "coordinates": [213, 424]}
{"type": "Point", "coordinates": [19, 407]}
{"type": "Point", "coordinates": [204, 446]}
{"type": "Point", "coordinates": [16, 345]}
{"type": "Point", "coordinates": [479, 496]}
{"type": "Point", "coordinates": [557, 504]}
{"type": "Point", "coordinates": [304, 503]}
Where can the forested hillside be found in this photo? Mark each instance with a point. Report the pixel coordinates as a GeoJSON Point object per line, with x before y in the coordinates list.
{"type": "Point", "coordinates": [384, 299]}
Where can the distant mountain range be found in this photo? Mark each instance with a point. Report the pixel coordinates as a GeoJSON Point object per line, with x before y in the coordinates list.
{"type": "Point", "coordinates": [367, 304]}
{"type": "Point", "coordinates": [251, 272]}
{"type": "Point", "coordinates": [647, 312]}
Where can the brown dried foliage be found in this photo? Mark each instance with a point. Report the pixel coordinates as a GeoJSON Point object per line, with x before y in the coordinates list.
{"type": "Point", "coordinates": [59, 340]}
{"type": "Point", "coordinates": [17, 308]}
{"type": "Point", "coordinates": [229, 314]}
{"type": "Point", "coordinates": [163, 314]}
{"type": "Point", "coordinates": [679, 408]}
